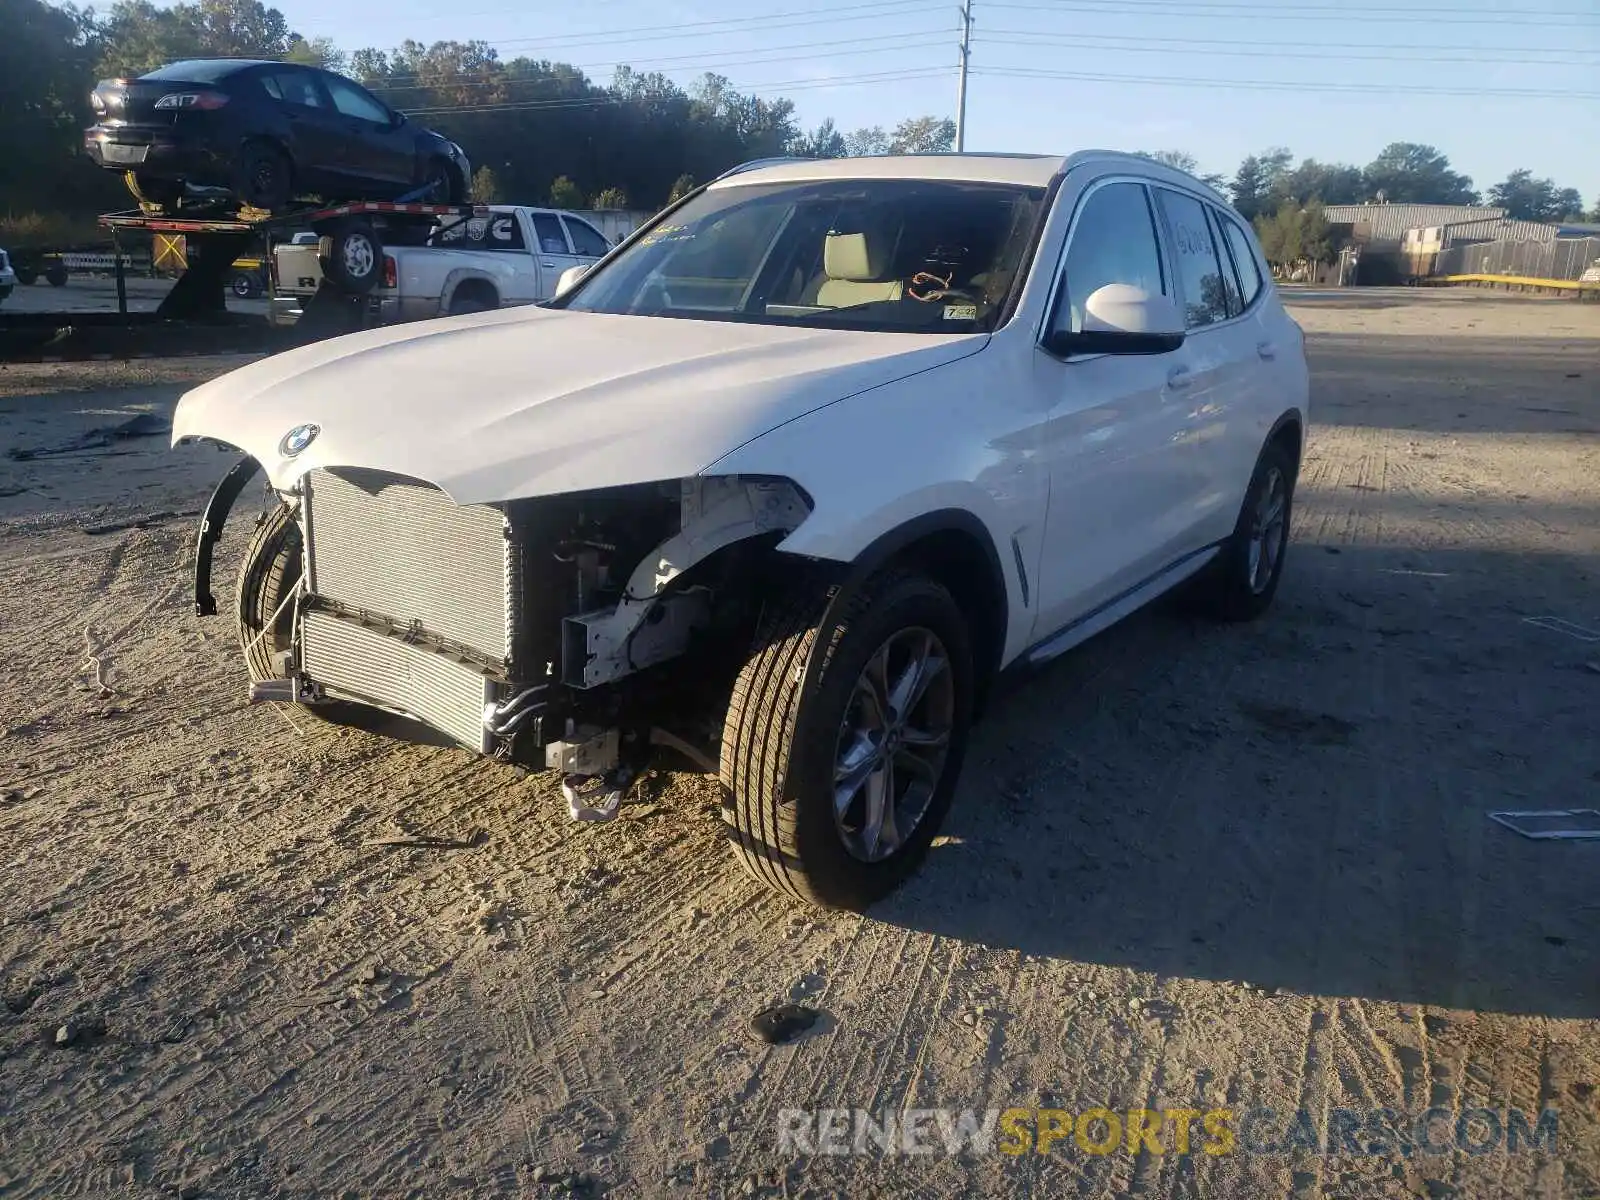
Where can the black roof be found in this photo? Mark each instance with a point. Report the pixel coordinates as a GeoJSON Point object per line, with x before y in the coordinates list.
{"type": "Point", "coordinates": [206, 70]}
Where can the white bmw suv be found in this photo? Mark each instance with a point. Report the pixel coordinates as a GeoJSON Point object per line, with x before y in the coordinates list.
{"type": "Point", "coordinates": [781, 483]}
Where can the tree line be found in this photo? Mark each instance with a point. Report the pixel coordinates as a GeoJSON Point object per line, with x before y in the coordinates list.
{"type": "Point", "coordinates": [541, 131]}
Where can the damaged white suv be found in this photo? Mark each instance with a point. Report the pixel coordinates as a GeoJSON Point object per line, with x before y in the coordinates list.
{"type": "Point", "coordinates": [782, 483]}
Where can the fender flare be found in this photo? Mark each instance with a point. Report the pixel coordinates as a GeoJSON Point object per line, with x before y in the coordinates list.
{"type": "Point", "coordinates": [853, 576]}
{"type": "Point", "coordinates": [1288, 416]}
{"type": "Point", "coordinates": [211, 523]}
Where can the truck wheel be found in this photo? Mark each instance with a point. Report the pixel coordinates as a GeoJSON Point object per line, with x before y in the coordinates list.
{"type": "Point", "coordinates": [1238, 585]}
{"type": "Point", "coordinates": [244, 285]}
{"type": "Point", "coordinates": [472, 300]}
{"type": "Point", "coordinates": [845, 736]}
{"type": "Point", "coordinates": [56, 275]}
{"type": "Point", "coordinates": [27, 276]}
{"type": "Point", "coordinates": [263, 176]}
{"type": "Point", "coordinates": [353, 257]}
{"type": "Point", "coordinates": [270, 573]}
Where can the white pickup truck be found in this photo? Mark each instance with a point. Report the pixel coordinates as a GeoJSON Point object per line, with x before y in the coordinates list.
{"type": "Point", "coordinates": [513, 255]}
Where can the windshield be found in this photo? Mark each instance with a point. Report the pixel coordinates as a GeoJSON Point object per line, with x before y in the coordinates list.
{"type": "Point", "coordinates": [903, 255]}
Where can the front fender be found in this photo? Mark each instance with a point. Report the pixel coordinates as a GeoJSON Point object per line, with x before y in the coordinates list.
{"type": "Point", "coordinates": [211, 523]}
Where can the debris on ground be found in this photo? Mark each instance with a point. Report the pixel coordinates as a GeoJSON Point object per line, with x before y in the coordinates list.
{"type": "Point", "coordinates": [780, 1024]}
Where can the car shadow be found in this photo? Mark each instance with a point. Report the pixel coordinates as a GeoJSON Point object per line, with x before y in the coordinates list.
{"type": "Point", "coordinates": [1300, 802]}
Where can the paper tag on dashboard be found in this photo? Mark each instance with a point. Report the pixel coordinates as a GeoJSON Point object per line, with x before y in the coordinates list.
{"type": "Point", "coordinates": [960, 312]}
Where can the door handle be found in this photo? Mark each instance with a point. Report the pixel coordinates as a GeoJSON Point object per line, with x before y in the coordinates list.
{"type": "Point", "coordinates": [545, 263]}
{"type": "Point", "coordinates": [1179, 377]}
{"type": "Point", "coordinates": [1266, 350]}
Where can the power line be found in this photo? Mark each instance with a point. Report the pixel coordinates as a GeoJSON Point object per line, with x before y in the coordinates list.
{"type": "Point", "coordinates": [1285, 85]}
{"type": "Point", "coordinates": [1131, 8]}
{"type": "Point", "coordinates": [1002, 37]}
{"type": "Point", "coordinates": [756, 89]}
{"type": "Point", "coordinates": [679, 63]}
{"type": "Point", "coordinates": [879, 10]}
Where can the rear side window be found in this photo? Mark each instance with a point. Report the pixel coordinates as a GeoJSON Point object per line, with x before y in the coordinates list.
{"type": "Point", "coordinates": [1200, 270]}
{"type": "Point", "coordinates": [1114, 241]}
{"type": "Point", "coordinates": [497, 231]}
{"type": "Point", "coordinates": [548, 230]}
{"type": "Point", "coordinates": [586, 240]}
{"type": "Point", "coordinates": [1230, 277]}
{"type": "Point", "coordinates": [293, 87]}
{"type": "Point", "coordinates": [1243, 257]}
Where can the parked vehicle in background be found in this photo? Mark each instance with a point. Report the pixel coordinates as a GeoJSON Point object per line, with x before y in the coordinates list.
{"type": "Point", "coordinates": [783, 483]}
{"type": "Point", "coordinates": [269, 132]}
{"type": "Point", "coordinates": [510, 255]}
{"type": "Point", "coordinates": [8, 277]}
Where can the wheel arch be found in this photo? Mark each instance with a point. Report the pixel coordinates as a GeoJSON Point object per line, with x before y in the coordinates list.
{"type": "Point", "coordinates": [1290, 429]}
{"type": "Point", "coordinates": [954, 548]}
{"type": "Point", "coordinates": [475, 279]}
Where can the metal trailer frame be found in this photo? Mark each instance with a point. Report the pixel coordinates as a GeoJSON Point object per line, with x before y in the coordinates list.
{"type": "Point", "coordinates": [215, 242]}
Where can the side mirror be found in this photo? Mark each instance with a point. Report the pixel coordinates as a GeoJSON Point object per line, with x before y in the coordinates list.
{"type": "Point", "coordinates": [569, 277]}
{"type": "Point", "coordinates": [1122, 319]}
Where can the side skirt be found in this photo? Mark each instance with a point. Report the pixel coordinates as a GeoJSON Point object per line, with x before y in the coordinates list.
{"type": "Point", "coordinates": [1113, 610]}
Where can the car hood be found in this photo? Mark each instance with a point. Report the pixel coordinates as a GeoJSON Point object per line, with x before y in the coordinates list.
{"type": "Point", "coordinates": [528, 401]}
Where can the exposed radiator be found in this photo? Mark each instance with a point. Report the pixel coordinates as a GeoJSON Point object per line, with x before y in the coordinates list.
{"type": "Point", "coordinates": [354, 663]}
{"type": "Point", "coordinates": [403, 550]}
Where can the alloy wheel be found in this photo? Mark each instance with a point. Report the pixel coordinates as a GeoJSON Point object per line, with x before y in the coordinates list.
{"type": "Point", "coordinates": [893, 743]}
{"type": "Point", "coordinates": [1268, 527]}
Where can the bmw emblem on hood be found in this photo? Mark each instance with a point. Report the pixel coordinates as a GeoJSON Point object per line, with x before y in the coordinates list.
{"type": "Point", "coordinates": [297, 439]}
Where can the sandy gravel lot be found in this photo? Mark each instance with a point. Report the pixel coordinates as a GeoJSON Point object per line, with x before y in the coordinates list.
{"type": "Point", "coordinates": [1189, 867]}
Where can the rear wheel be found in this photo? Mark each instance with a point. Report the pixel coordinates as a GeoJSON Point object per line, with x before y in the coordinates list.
{"type": "Point", "coordinates": [1239, 584]}
{"type": "Point", "coordinates": [845, 736]}
{"type": "Point", "coordinates": [263, 176]}
{"type": "Point", "coordinates": [444, 183]}
{"type": "Point", "coordinates": [245, 285]}
{"type": "Point", "coordinates": [270, 574]}
{"type": "Point", "coordinates": [472, 300]}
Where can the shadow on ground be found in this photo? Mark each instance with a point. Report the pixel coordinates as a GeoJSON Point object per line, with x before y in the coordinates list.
{"type": "Point", "coordinates": [1300, 803]}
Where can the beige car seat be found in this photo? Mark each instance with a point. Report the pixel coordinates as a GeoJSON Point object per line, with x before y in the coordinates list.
{"type": "Point", "coordinates": [854, 265]}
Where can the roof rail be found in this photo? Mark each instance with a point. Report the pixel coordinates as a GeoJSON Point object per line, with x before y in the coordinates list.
{"type": "Point", "coordinates": [756, 163]}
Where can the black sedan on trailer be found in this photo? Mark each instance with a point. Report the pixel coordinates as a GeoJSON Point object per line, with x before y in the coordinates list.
{"type": "Point", "coordinates": [269, 132]}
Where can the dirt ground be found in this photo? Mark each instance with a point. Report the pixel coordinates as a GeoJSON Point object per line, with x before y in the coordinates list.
{"type": "Point", "coordinates": [1188, 867]}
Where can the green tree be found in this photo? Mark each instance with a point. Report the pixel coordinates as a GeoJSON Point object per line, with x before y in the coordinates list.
{"type": "Point", "coordinates": [923, 135]}
{"type": "Point", "coordinates": [681, 187]}
{"type": "Point", "coordinates": [1530, 199]}
{"type": "Point", "coordinates": [1181, 160]}
{"type": "Point", "coordinates": [1411, 173]}
{"type": "Point", "coordinates": [1257, 182]}
{"type": "Point", "coordinates": [822, 142]}
{"type": "Point", "coordinates": [867, 141]}
{"type": "Point", "coordinates": [1332, 183]}
{"type": "Point", "coordinates": [611, 198]}
{"type": "Point", "coordinates": [318, 52]}
{"type": "Point", "coordinates": [566, 194]}
{"type": "Point", "coordinates": [486, 187]}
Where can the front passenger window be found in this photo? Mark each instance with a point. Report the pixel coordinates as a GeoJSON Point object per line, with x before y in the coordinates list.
{"type": "Point", "coordinates": [1114, 241]}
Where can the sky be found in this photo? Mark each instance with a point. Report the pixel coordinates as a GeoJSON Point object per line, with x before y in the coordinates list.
{"type": "Point", "coordinates": [1494, 85]}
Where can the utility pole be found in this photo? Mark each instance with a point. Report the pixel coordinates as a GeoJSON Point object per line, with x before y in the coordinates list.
{"type": "Point", "coordinates": [961, 81]}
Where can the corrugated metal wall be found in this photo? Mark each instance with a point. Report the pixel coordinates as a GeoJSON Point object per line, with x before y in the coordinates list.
{"type": "Point", "coordinates": [1561, 258]}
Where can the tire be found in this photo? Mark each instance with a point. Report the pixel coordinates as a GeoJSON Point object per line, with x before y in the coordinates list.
{"type": "Point", "coordinates": [1238, 585]}
{"type": "Point", "coordinates": [55, 275]}
{"type": "Point", "coordinates": [794, 707]}
{"type": "Point", "coordinates": [444, 183]}
{"type": "Point", "coordinates": [354, 257]}
{"type": "Point", "coordinates": [27, 276]}
{"type": "Point", "coordinates": [244, 285]}
{"type": "Point", "coordinates": [150, 189]}
{"type": "Point", "coordinates": [271, 570]}
{"type": "Point", "coordinates": [473, 302]}
{"type": "Point", "coordinates": [263, 177]}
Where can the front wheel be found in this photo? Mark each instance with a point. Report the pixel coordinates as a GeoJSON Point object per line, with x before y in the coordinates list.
{"type": "Point", "coordinates": [354, 256]}
{"type": "Point", "coordinates": [264, 177]}
{"type": "Point", "coordinates": [271, 573]}
{"type": "Point", "coordinates": [845, 737]}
